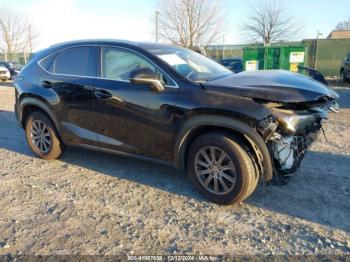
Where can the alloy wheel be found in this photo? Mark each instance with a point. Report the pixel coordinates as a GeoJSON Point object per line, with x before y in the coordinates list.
{"type": "Point", "coordinates": [215, 170]}
{"type": "Point", "coordinates": [41, 137]}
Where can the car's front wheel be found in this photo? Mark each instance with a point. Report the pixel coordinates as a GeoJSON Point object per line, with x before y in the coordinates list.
{"type": "Point", "coordinates": [42, 137]}
{"type": "Point", "coordinates": [221, 168]}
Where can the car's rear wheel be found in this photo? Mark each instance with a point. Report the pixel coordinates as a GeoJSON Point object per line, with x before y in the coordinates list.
{"type": "Point", "coordinates": [42, 137]}
{"type": "Point", "coordinates": [220, 167]}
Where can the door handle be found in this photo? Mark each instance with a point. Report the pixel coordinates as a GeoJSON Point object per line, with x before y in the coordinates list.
{"type": "Point", "coordinates": [102, 94]}
{"type": "Point", "coordinates": [46, 84]}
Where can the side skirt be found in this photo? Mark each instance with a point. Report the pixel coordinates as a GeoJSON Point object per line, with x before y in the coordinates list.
{"type": "Point", "coordinates": [123, 154]}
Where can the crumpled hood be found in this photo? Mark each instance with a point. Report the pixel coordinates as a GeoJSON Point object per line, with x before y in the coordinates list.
{"type": "Point", "coordinates": [275, 85]}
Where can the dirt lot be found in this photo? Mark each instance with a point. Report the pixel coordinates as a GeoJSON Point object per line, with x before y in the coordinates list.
{"type": "Point", "coordinates": [94, 203]}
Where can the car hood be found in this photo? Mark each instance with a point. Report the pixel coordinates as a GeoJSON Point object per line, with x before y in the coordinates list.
{"type": "Point", "coordinates": [275, 85]}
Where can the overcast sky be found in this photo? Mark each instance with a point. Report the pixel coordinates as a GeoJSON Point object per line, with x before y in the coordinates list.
{"type": "Point", "coordinates": [62, 20]}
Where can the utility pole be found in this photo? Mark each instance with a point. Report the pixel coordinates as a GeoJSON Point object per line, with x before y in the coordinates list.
{"type": "Point", "coordinates": [157, 29]}
{"type": "Point", "coordinates": [30, 44]}
{"type": "Point", "coordinates": [30, 39]}
{"type": "Point", "coordinates": [316, 48]}
{"type": "Point", "coordinates": [223, 47]}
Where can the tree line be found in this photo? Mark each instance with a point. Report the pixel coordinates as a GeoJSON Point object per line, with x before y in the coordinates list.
{"type": "Point", "coordinates": [201, 22]}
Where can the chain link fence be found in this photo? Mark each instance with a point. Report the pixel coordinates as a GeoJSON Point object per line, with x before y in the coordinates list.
{"type": "Point", "coordinates": [21, 58]}
{"type": "Point", "coordinates": [326, 55]}
{"type": "Point", "coordinates": [227, 51]}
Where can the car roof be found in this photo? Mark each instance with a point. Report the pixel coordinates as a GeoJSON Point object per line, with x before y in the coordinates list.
{"type": "Point", "coordinates": [117, 42]}
{"type": "Point", "coordinates": [108, 42]}
{"type": "Point", "coordinates": [124, 43]}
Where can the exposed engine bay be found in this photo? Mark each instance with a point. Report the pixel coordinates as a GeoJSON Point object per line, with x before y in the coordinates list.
{"type": "Point", "coordinates": [291, 130]}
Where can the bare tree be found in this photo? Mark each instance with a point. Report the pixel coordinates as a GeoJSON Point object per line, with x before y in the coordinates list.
{"type": "Point", "coordinates": [342, 26]}
{"type": "Point", "coordinates": [268, 21]}
{"type": "Point", "coordinates": [16, 33]}
{"type": "Point", "coordinates": [190, 23]}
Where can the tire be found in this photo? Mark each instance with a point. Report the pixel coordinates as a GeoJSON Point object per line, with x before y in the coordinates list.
{"type": "Point", "coordinates": [342, 77]}
{"type": "Point", "coordinates": [256, 176]}
{"type": "Point", "coordinates": [38, 123]}
{"type": "Point", "coordinates": [244, 174]}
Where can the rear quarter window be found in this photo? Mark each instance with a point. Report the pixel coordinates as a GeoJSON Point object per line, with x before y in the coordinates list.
{"type": "Point", "coordinates": [78, 61]}
{"type": "Point", "coordinates": [47, 63]}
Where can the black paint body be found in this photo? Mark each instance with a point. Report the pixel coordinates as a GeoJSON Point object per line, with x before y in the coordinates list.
{"type": "Point", "coordinates": [114, 115]}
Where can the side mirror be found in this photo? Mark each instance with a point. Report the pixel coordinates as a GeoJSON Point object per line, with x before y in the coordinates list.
{"type": "Point", "coordinates": [146, 76]}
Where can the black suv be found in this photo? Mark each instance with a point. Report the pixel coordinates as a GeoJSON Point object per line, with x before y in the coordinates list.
{"type": "Point", "coordinates": [172, 104]}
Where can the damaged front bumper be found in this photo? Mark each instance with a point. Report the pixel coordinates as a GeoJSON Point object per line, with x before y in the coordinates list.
{"type": "Point", "coordinates": [289, 132]}
{"type": "Point", "coordinates": [289, 151]}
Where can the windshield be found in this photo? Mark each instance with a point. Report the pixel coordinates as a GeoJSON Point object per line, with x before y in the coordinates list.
{"type": "Point", "coordinates": [190, 64]}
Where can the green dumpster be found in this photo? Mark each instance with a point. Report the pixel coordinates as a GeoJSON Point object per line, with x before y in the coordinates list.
{"type": "Point", "coordinates": [274, 57]}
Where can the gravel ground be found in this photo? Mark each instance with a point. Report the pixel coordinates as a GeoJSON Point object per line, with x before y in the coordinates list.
{"type": "Point", "coordinates": [94, 203]}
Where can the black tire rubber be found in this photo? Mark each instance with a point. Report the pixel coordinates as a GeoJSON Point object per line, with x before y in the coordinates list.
{"type": "Point", "coordinates": [245, 170]}
{"type": "Point", "coordinates": [342, 76]}
{"type": "Point", "coordinates": [256, 175]}
{"type": "Point", "coordinates": [57, 147]}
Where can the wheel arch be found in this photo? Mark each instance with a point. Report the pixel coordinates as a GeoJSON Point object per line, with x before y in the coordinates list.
{"type": "Point", "coordinates": [31, 104]}
{"type": "Point", "coordinates": [199, 125]}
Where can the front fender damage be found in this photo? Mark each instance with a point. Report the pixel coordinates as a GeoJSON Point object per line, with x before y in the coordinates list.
{"type": "Point", "coordinates": [255, 140]}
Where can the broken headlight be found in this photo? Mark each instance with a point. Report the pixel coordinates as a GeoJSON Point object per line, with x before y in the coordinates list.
{"type": "Point", "coordinates": [295, 123]}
